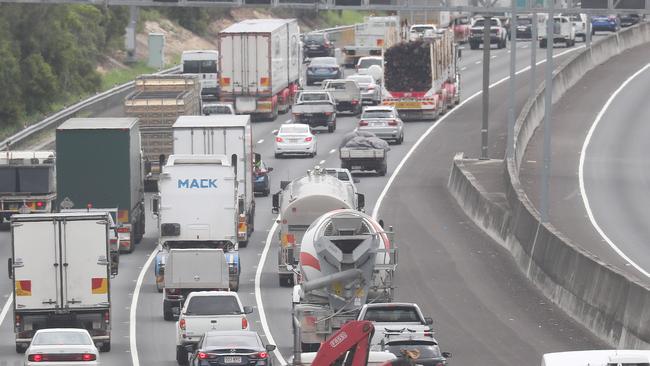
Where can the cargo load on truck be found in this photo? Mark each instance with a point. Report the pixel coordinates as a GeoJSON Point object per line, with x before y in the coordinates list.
{"type": "Point", "coordinates": [231, 136]}
{"type": "Point", "coordinates": [157, 101]}
{"type": "Point", "coordinates": [27, 182]}
{"type": "Point", "coordinates": [299, 203]}
{"type": "Point", "coordinates": [347, 260]}
{"type": "Point", "coordinates": [197, 208]}
{"type": "Point", "coordinates": [371, 37]}
{"type": "Point", "coordinates": [260, 65]}
{"type": "Point", "coordinates": [60, 269]}
{"type": "Point", "coordinates": [99, 161]}
{"type": "Point", "coordinates": [421, 78]}
{"type": "Point", "coordinates": [364, 151]}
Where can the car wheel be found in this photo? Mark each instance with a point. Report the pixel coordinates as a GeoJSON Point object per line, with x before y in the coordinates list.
{"type": "Point", "coordinates": [277, 156]}
{"type": "Point", "coordinates": [181, 355]}
{"type": "Point", "coordinates": [266, 192]}
{"type": "Point", "coordinates": [330, 128]}
{"type": "Point", "coordinates": [401, 139]}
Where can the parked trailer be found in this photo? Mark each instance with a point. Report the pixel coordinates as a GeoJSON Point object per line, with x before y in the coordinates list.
{"type": "Point", "coordinates": [231, 136]}
{"type": "Point", "coordinates": [157, 101]}
{"type": "Point", "coordinates": [27, 182]}
{"type": "Point", "coordinates": [260, 65]}
{"type": "Point", "coordinates": [100, 164]}
{"type": "Point", "coordinates": [60, 269]}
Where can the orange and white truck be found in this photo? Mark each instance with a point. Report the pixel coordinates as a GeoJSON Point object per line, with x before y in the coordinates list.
{"type": "Point", "coordinates": [260, 62]}
{"type": "Point", "coordinates": [421, 78]}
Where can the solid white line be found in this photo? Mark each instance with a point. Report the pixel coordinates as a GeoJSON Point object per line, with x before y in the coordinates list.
{"type": "Point", "coordinates": [258, 292]}
{"type": "Point", "coordinates": [260, 141]}
{"type": "Point", "coordinates": [133, 345]}
{"type": "Point", "coordinates": [321, 162]}
{"type": "Point", "coordinates": [5, 309]}
{"type": "Point", "coordinates": [383, 193]}
{"type": "Point", "coordinates": [583, 191]}
{"type": "Point", "coordinates": [332, 151]}
{"type": "Point", "coordinates": [477, 62]}
{"type": "Point", "coordinates": [463, 68]}
{"type": "Point", "coordinates": [493, 57]}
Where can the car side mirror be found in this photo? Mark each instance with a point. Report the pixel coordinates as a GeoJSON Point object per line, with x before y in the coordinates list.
{"type": "Point", "coordinates": [446, 354]}
{"type": "Point", "coordinates": [10, 268]}
{"type": "Point", "coordinates": [361, 201]}
{"type": "Point", "coordinates": [271, 347]}
{"type": "Point", "coordinates": [275, 132]}
{"type": "Point", "coordinates": [269, 169]}
{"type": "Point", "coordinates": [248, 309]}
{"type": "Point", "coordinates": [155, 205]}
{"type": "Point", "coordinates": [428, 321]}
{"type": "Point", "coordinates": [356, 180]}
{"type": "Point", "coordinates": [381, 223]}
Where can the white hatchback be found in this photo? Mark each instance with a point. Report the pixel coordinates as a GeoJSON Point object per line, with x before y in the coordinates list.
{"type": "Point", "coordinates": [62, 346]}
{"type": "Point", "coordinates": [295, 138]}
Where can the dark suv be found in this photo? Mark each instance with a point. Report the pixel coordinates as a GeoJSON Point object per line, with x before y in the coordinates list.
{"type": "Point", "coordinates": [317, 44]}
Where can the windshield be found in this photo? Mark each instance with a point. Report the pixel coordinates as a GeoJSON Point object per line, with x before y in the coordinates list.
{"type": "Point", "coordinates": [422, 29]}
{"type": "Point", "coordinates": [298, 128]}
{"type": "Point", "coordinates": [335, 86]}
{"type": "Point", "coordinates": [426, 349]}
{"type": "Point", "coordinates": [378, 114]}
{"type": "Point", "coordinates": [326, 61]}
{"type": "Point", "coordinates": [481, 23]}
{"type": "Point", "coordinates": [213, 305]}
{"type": "Point", "coordinates": [314, 97]}
{"type": "Point", "coordinates": [362, 79]}
{"type": "Point", "coordinates": [366, 63]}
{"type": "Point", "coordinates": [61, 338]}
{"type": "Point", "coordinates": [524, 21]}
{"type": "Point", "coordinates": [392, 314]}
{"type": "Point", "coordinates": [314, 37]}
{"type": "Point", "coordinates": [216, 109]}
{"type": "Point", "coordinates": [232, 341]}
{"type": "Point", "coordinates": [200, 67]}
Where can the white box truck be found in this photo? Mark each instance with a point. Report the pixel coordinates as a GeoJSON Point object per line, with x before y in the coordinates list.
{"type": "Point", "coordinates": [260, 63]}
{"type": "Point", "coordinates": [60, 267]}
{"type": "Point", "coordinates": [371, 37]}
{"type": "Point", "coordinates": [197, 208]}
{"type": "Point", "coordinates": [230, 136]}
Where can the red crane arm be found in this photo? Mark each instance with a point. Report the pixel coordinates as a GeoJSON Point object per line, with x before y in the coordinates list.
{"type": "Point", "coordinates": [353, 336]}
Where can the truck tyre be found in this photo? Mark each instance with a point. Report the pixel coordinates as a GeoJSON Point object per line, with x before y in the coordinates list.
{"type": "Point", "coordinates": [167, 311]}
{"type": "Point", "coordinates": [20, 348]}
{"type": "Point", "coordinates": [331, 128]}
{"type": "Point", "coordinates": [181, 356]}
{"type": "Point", "coordinates": [382, 170]}
{"type": "Point", "coordinates": [105, 347]}
{"type": "Point", "coordinates": [473, 45]}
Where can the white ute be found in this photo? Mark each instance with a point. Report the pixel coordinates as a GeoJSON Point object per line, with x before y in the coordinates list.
{"type": "Point", "coordinates": [395, 318]}
{"type": "Point", "coordinates": [206, 311]}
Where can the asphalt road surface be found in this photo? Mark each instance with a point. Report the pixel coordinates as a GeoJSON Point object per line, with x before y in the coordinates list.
{"type": "Point", "coordinates": [485, 311]}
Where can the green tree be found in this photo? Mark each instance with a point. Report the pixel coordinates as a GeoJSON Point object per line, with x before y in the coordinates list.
{"type": "Point", "coordinates": [11, 104]}
{"type": "Point", "coordinates": [40, 83]}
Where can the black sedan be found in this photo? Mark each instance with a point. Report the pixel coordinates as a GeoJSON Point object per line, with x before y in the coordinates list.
{"type": "Point", "coordinates": [628, 20]}
{"type": "Point", "coordinates": [323, 68]}
{"type": "Point", "coordinates": [426, 349]}
{"type": "Point", "coordinates": [524, 28]}
{"type": "Point", "coordinates": [231, 348]}
{"type": "Point", "coordinates": [317, 44]}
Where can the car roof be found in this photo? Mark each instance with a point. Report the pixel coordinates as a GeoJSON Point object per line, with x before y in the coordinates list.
{"type": "Point", "coordinates": [379, 108]}
{"type": "Point", "coordinates": [411, 338]}
{"type": "Point", "coordinates": [213, 293]}
{"type": "Point", "coordinates": [214, 333]}
{"type": "Point", "coordinates": [62, 330]}
{"type": "Point", "coordinates": [389, 304]}
{"type": "Point", "coordinates": [370, 58]}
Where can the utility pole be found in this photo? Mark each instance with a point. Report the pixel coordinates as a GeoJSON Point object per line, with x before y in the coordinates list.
{"type": "Point", "coordinates": [486, 87]}
{"type": "Point", "coordinates": [533, 56]}
{"type": "Point", "coordinates": [510, 151]}
{"type": "Point", "coordinates": [548, 110]}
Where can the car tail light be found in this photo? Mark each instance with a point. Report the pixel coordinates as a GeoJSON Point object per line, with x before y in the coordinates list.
{"type": "Point", "coordinates": [19, 321]}
{"type": "Point", "coordinates": [355, 102]}
{"type": "Point", "coordinates": [88, 357]}
{"type": "Point", "coordinates": [244, 323]}
{"type": "Point", "coordinates": [363, 123]}
{"type": "Point", "coordinates": [440, 364]}
{"type": "Point", "coordinates": [611, 18]}
{"type": "Point", "coordinates": [107, 317]}
{"type": "Point", "coordinates": [392, 122]}
{"type": "Point", "coordinates": [181, 324]}
{"type": "Point", "coordinates": [35, 358]}
{"type": "Point", "coordinates": [328, 113]}
{"type": "Point", "coordinates": [371, 87]}
{"type": "Point", "coordinates": [279, 139]}
{"type": "Point", "coordinates": [203, 355]}
{"type": "Point", "coordinates": [123, 229]}
{"type": "Point", "coordinates": [262, 355]}
{"type": "Point", "coordinates": [40, 204]}
{"type": "Point", "coordinates": [308, 139]}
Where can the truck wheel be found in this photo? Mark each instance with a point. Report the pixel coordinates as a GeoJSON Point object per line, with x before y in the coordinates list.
{"type": "Point", "coordinates": [243, 244]}
{"type": "Point", "coordinates": [20, 348]}
{"type": "Point", "coordinates": [330, 128]}
{"type": "Point", "coordinates": [382, 171]}
{"type": "Point", "coordinates": [181, 355]}
{"type": "Point", "coordinates": [105, 347]}
{"type": "Point", "coordinates": [167, 311]}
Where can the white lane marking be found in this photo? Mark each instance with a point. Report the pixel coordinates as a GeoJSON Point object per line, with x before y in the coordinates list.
{"type": "Point", "coordinates": [258, 292]}
{"type": "Point", "coordinates": [260, 141]}
{"type": "Point", "coordinates": [493, 57]}
{"type": "Point", "coordinates": [383, 193]}
{"type": "Point", "coordinates": [133, 344]}
{"type": "Point", "coordinates": [463, 68]}
{"type": "Point", "coordinates": [477, 62]}
{"type": "Point", "coordinates": [5, 309]}
{"type": "Point", "coordinates": [583, 191]}
{"type": "Point", "coordinates": [321, 162]}
{"type": "Point", "coordinates": [332, 151]}
{"type": "Point", "coordinates": [274, 131]}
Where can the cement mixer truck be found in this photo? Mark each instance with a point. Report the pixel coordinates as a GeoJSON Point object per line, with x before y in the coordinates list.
{"type": "Point", "coordinates": [299, 203]}
{"type": "Point", "coordinates": [347, 260]}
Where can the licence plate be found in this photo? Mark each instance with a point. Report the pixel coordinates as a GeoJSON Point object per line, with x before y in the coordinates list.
{"type": "Point", "coordinates": [376, 124]}
{"type": "Point", "coordinates": [407, 105]}
{"type": "Point", "coordinates": [232, 359]}
{"type": "Point", "coordinates": [313, 47]}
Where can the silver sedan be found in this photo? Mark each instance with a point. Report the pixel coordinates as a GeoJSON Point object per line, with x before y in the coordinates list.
{"type": "Point", "coordinates": [384, 122]}
{"type": "Point", "coordinates": [370, 91]}
{"type": "Point", "coordinates": [58, 346]}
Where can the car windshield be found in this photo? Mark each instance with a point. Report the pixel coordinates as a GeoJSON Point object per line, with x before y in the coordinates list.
{"type": "Point", "coordinates": [314, 37]}
{"type": "Point", "coordinates": [422, 29]}
{"type": "Point", "coordinates": [232, 341]}
{"type": "Point", "coordinates": [392, 314]}
{"type": "Point", "coordinates": [366, 63]}
{"type": "Point", "coordinates": [213, 305]}
{"type": "Point", "coordinates": [362, 79]}
{"type": "Point", "coordinates": [314, 97]}
{"type": "Point", "coordinates": [61, 338]}
{"type": "Point", "coordinates": [298, 128]}
{"type": "Point", "coordinates": [200, 67]}
{"type": "Point", "coordinates": [575, 17]}
{"type": "Point", "coordinates": [426, 349]}
{"type": "Point", "coordinates": [216, 109]}
{"type": "Point", "coordinates": [481, 23]}
{"type": "Point", "coordinates": [323, 61]}
{"type": "Point", "coordinates": [378, 114]}
{"type": "Point", "coordinates": [342, 176]}
{"type": "Point", "coordinates": [336, 86]}
{"type": "Point", "coordinates": [524, 21]}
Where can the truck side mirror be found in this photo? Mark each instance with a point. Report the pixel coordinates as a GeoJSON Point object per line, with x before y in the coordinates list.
{"type": "Point", "coordinates": [275, 203]}
{"type": "Point", "coordinates": [428, 320]}
{"type": "Point", "coordinates": [269, 169]}
{"type": "Point", "coordinates": [446, 354]}
{"type": "Point", "coordinates": [275, 132]}
{"type": "Point", "coordinates": [10, 268]}
{"type": "Point", "coordinates": [155, 205]}
{"type": "Point", "coordinates": [284, 184]}
{"type": "Point", "coordinates": [248, 309]}
{"type": "Point", "coordinates": [176, 311]}
{"type": "Point", "coordinates": [361, 201]}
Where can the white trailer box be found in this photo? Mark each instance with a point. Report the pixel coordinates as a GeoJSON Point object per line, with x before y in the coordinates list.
{"type": "Point", "coordinates": [230, 136]}
{"type": "Point", "coordinates": [61, 273]}
{"type": "Point", "coordinates": [260, 58]}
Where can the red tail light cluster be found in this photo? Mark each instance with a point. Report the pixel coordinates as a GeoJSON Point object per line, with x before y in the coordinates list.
{"type": "Point", "coordinates": [44, 357]}
{"type": "Point", "coordinates": [260, 355]}
{"type": "Point", "coordinates": [308, 139]}
{"type": "Point", "coordinates": [182, 324]}
{"type": "Point", "coordinates": [355, 102]}
{"type": "Point", "coordinates": [244, 323]}
{"type": "Point", "coordinates": [363, 123]}
{"type": "Point", "coordinates": [392, 122]}
{"type": "Point", "coordinates": [279, 139]}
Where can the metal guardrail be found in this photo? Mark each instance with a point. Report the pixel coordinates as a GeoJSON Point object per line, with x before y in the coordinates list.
{"type": "Point", "coordinates": [102, 98]}
{"type": "Point", "coordinates": [69, 112]}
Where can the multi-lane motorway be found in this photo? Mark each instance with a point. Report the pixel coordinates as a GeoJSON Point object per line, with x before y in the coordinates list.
{"type": "Point", "coordinates": [485, 311]}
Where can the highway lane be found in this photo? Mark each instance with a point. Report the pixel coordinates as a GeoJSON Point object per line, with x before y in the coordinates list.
{"type": "Point", "coordinates": [155, 337]}
{"type": "Point", "coordinates": [615, 171]}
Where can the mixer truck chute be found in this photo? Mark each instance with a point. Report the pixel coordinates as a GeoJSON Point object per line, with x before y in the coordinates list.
{"type": "Point", "coordinates": [347, 259]}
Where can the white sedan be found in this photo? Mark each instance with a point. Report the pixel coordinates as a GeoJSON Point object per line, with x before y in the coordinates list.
{"type": "Point", "coordinates": [58, 346]}
{"type": "Point", "coordinates": [295, 138]}
{"type": "Point", "coordinates": [370, 91]}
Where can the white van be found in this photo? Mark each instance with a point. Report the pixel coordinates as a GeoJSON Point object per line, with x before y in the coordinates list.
{"type": "Point", "coordinates": [204, 64]}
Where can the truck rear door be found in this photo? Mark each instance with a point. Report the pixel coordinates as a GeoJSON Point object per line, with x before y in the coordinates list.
{"type": "Point", "coordinates": [85, 267]}
{"type": "Point", "coordinates": [37, 266]}
{"type": "Point", "coordinates": [245, 63]}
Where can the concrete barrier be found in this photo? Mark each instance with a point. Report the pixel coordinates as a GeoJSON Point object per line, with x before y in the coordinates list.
{"type": "Point", "coordinates": [612, 305]}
